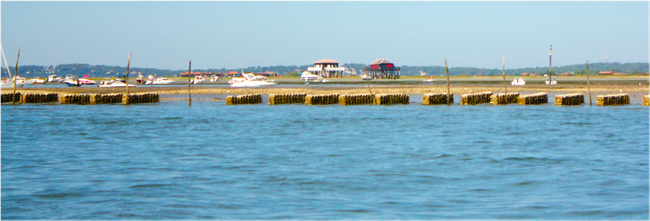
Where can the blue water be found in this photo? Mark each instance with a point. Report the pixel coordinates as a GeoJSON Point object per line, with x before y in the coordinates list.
{"type": "Point", "coordinates": [212, 161]}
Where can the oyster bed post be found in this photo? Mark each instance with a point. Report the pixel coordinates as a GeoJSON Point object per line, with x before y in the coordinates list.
{"type": "Point", "coordinates": [588, 84]}
{"type": "Point", "coordinates": [447, 70]}
{"type": "Point", "coordinates": [128, 64]}
{"type": "Point", "coordinates": [189, 94]}
{"type": "Point", "coordinates": [13, 102]}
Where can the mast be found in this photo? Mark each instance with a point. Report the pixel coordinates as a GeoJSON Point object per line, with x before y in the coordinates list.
{"type": "Point", "coordinates": [5, 58]}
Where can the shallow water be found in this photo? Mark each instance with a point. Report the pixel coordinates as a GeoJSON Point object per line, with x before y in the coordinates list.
{"type": "Point", "coordinates": [212, 161]}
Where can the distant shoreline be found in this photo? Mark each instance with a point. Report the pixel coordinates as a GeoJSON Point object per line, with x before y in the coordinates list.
{"type": "Point", "coordinates": [355, 86]}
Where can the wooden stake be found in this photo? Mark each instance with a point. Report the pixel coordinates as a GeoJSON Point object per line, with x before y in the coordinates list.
{"type": "Point", "coordinates": [504, 75]}
{"type": "Point", "coordinates": [13, 97]}
{"type": "Point", "coordinates": [550, 53]}
{"type": "Point", "coordinates": [189, 95]}
{"type": "Point", "coordinates": [128, 63]}
{"type": "Point", "coordinates": [447, 69]}
{"type": "Point", "coordinates": [588, 84]}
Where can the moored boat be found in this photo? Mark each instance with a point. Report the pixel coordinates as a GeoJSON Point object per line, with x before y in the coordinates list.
{"type": "Point", "coordinates": [114, 84]}
{"type": "Point", "coordinates": [249, 80]}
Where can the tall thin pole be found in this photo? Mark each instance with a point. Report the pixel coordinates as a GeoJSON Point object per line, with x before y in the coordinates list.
{"type": "Point", "coordinates": [447, 69]}
{"type": "Point", "coordinates": [189, 94]}
{"type": "Point", "coordinates": [13, 97]}
{"type": "Point", "coordinates": [504, 75]}
{"type": "Point", "coordinates": [128, 64]}
{"type": "Point", "coordinates": [549, 65]}
{"type": "Point", "coordinates": [588, 84]}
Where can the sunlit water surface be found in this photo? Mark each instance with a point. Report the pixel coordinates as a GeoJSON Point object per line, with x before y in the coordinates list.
{"type": "Point", "coordinates": [212, 161]}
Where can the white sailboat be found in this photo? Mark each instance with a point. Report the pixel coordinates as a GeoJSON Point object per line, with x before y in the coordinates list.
{"type": "Point", "coordinates": [9, 83]}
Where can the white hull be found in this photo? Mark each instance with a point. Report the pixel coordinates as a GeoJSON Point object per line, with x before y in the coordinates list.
{"type": "Point", "coordinates": [253, 84]}
{"type": "Point", "coordinates": [518, 82]}
{"type": "Point", "coordinates": [162, 81]}
{"type": "Point", "coordinates": [11, 85]}
{"type": "Point", "coordinates": [116, 84]}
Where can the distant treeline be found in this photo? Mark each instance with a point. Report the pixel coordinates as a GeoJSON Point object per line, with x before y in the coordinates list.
{"type": "Point", "coordinates": [31, 71]}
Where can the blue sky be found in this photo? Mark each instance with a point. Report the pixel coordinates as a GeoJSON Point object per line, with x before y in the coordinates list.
{"type": "Point", "coordinates": [233, 34]}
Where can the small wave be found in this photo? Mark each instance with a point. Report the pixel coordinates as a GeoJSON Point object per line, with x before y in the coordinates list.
{"type": "Point", "coordinates": [532, 159]}
{"type": "Point", "coordinates": [526, 183]}
{"type": "Point", "coordinates": [153, 185]}
{"type": "Point", "coordinates": [355, 211]}
{"type": "Point", "coordinates": [585, 213]}
{"type": "Point", "coordinates": [58, 195]}
{"type": "Point", "coordinates": [480, 190]}
{"type": "Point", "coordinates": [443, 156]}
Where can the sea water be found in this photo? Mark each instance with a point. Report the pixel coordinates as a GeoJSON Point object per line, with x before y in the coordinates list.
{"type": "Point", "coordinates": [213, 161]}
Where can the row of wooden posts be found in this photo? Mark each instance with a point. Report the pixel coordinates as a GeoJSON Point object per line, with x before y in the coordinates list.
{"type": "Point", "coordinates": [432, 99]}
{"type": "Point", "coordinates": [139, 98]}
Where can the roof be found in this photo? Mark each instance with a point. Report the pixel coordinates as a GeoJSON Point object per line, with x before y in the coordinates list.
{"type": "Point", "coordinates": [381, 61]}
{"type": "Point", "coordinates": [326, 61]}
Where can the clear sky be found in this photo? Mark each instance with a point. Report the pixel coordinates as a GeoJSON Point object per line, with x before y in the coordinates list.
{"type": "Point", "coordinates": [233, 34]}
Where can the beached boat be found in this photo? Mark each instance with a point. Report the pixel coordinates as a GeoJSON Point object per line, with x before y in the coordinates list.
{"type": "Point", "coordinates": [54, 79]}
{"type": "Point", "coordinates": [197, 80]}
{"type": "Point", "coordinates": [307, 76]}
{"type": "Point", "coordinates": [162, 80]}
{"type": "Point", "coordinates": [552, 81]}
{"type": "Point", "coordinates": [36, 80]}
{"type": "Point", "coordinates": [249, 80]}
{"type": "Point", "coordinates": [86, 81]}
{"type": "Point", "coordinates": [114, 84]}
{"type": "Point", "coordinates": [11, 82]}
{"type": "Point", "coordinates": [430, 79]}
{"type": "Point", "coordinates": [366, 77]}
{"type": "Point", "coordinates": [518, 82]}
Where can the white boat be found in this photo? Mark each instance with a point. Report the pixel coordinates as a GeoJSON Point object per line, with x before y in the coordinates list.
{"type": "Point", "coordinates": [162, 80]}
{"type": "Point", "coordinates": [307, 76]}
{"type": "Point", "coordinates": [249, 80]}
{"type": "Point", "coordinates": [85, 81]}
{"type": "Point", "coordinates": [53, 78]}
{"type": "Point", "coordinates": [430, 79]}
{"type": "Point", "coordinates": [214, 78]}
{"type": "Point", "coordinates": [72, 83]}
{"type": "Point", "coordinates": [9, 83]}
{"type": "Point", "coordinates": [553, 81]}
{"type": "Point", "coordinates": [518, 82]}
{"type": "Point", "coordinates": [114, 84]}
{"type": "Point", "coordinates": [365, 77]}
{"type": "Point", "coordinates": [36, 80]}
{"type": "Point", "coordinates": [197, 80]}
